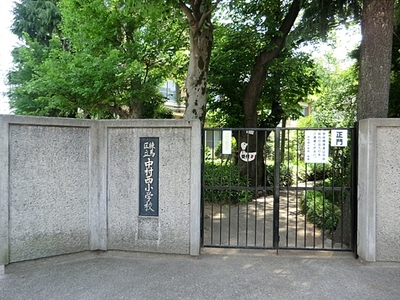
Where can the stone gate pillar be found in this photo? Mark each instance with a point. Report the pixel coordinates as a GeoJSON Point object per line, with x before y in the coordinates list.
{"type": "Point", "coordinates": [379, 190]}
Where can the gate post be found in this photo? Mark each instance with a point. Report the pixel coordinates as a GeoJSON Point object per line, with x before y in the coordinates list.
{"type": "Point", "coordinates": [195, 188]}
{"type": "Point", "coordinates": [276, 189]}
{"type": "Point", "coordinates": [378, 190]}
{"type": "Point", "coordinates": [4, 195]}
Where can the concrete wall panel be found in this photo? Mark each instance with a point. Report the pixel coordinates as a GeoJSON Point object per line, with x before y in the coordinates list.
{"type": "Point", "coordinates": [127, 230]}
{"type": "Point", "coordinates": [71, 185]}
{"type": "Point", "coordinates": [387, 194]}
{"type": "Point", "coordinates": [48, 191]}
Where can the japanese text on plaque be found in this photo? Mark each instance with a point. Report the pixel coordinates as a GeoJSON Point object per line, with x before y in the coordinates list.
{"type": "Point", "coordinates": [148, 177]}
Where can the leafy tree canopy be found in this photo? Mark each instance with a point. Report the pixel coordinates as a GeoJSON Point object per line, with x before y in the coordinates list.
{"type": "Point", "coordinates": [335, 103]}
{"type": "Point", "coordinates": [108, 55]}
{"type": "Point", "coordinates": [290, 77]}
{"type": "Point", "coordinates": [38, 18]}
{"type": "Point", "coordinates": [394, 98]}
{"type": "Point", "coordinates": [108, 62]}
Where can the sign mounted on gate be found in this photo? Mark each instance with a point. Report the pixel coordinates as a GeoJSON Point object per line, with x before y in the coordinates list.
{"type": "Point", "coordinates": [316, 146]}
{"type": "Point", "coordinates": [339, 138]}
{"type": "Point", "coordinates": [227, 142]}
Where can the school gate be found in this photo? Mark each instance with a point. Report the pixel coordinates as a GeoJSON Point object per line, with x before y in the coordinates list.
{"type": "Point", "coordinates": [291, 188]}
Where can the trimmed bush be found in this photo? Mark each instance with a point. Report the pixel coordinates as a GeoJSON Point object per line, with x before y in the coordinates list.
{"type": "Point", "coordinates": [320, 210]}
{"type": "Point", "coordinates": [314, 171]}
{"type": "Point", "coordinates": [226, 177]}
{"type": "Point", "coordinates": [286, 177]}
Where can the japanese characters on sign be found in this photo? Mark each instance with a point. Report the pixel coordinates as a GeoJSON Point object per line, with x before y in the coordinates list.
{"type": "Point", "coordinates": [148, 201]}
{"type": "Point", "coordinates": [339, 138]}
{"type": "Point", "coordinates": [316, 146]}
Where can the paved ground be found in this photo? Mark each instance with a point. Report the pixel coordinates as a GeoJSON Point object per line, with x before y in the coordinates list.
{"type": "Point", "coordinates": [216, 274]}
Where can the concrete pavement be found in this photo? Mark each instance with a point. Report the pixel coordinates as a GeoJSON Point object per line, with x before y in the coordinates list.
{"type": "Point", "coordinates": [216, 274]}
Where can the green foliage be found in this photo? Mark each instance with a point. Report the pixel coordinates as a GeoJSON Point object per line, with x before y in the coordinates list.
{"type": "Point", "coordinates": [307, 122]}
{"type": "Point", "coordinates": [290, 76]}
{"type": "Point", "coordinates": [335, 105]}
{"type": "Point", "coordinates": [218, 149]}
{"type": "Point", "coordinates": [26, 97]}
{"type": "Point", "coordinates": [37, 18]}
{"type": "Point", "coordinates": [313, 172]}
{"type": "Point", "coordinates": [208, 154]}
{"type": "Point", "coordinates": [224, 172]}
{"type": "Point", "coordinates": [323, 207]}
{"type": "Point", "coordinates": [320, 16]}
{"type": "Point", "coordinates": [286, 175]}
{"type": "Point", "coordinates": [108, 63]}
{"type": "Point", "coordinates": [225, 175]}
{"type": "Point", "coordinates": [394, 98]}
{"type": "Point", "coordinates": [320, 210]}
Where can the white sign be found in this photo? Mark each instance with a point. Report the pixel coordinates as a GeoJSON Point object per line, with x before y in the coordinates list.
{"type": "Point", "coordinates": [227, 142]}
{"type": "Point", "coordinates": [316, 146]}
{"type": "Point", "coordinates": [339, 138]}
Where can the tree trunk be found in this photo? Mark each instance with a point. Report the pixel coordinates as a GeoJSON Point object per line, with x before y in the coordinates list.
{"type": "Point", "coordinates": [196, 81]}
{"type": "Point", "coordinates": [374, 81]}
{"type": "Point", "coordinates": [256, 169]}
{"type": "Point", "coordinates": [259, 72]}
{"type": "Point", "coordinates": [375, 58]}
{"type": "Point", "coordinates": [201, 39]}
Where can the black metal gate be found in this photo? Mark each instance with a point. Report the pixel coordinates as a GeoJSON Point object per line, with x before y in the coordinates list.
{"type": "Point", "coordinates": [290, 188]}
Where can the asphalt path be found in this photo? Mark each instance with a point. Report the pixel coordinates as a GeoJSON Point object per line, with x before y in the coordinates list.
{"type": "Point", "coordinates": [215, 274]}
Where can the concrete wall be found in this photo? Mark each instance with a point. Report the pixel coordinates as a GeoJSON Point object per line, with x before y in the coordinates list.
{"type": "Point", "coordinates": [379, 190]}
{"type": "Point", "coordinates": [72, 185]}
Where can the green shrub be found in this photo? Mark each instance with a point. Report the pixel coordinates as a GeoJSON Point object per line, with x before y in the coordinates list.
{"type": "Point", "coordinates": [218, 149]}
{"type": "Point", "coordinates": [207, 154]}
{"type": "Point", "coordinates": [286, 176]}
{"type": "Point", "coordinates": [225, 176]}
{"type": "Point", "coordinates": [316, 171]}
{"type": "Point", "coordinates": [334, 197]}
{"type": "Point", "coordinates": [320, 210]}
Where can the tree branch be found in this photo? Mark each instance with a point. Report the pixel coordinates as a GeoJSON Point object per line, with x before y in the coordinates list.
{"type": "Point", "coordinates": [187, 11]}
{"type": "Point", "coordinates": [208, 13]}
{"type": "Point", "coordinates": [285, 28]}
{"type": "Point", "coordinates": [290, 17]}
{"type": "Point", "coordinates": [195, 7]}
